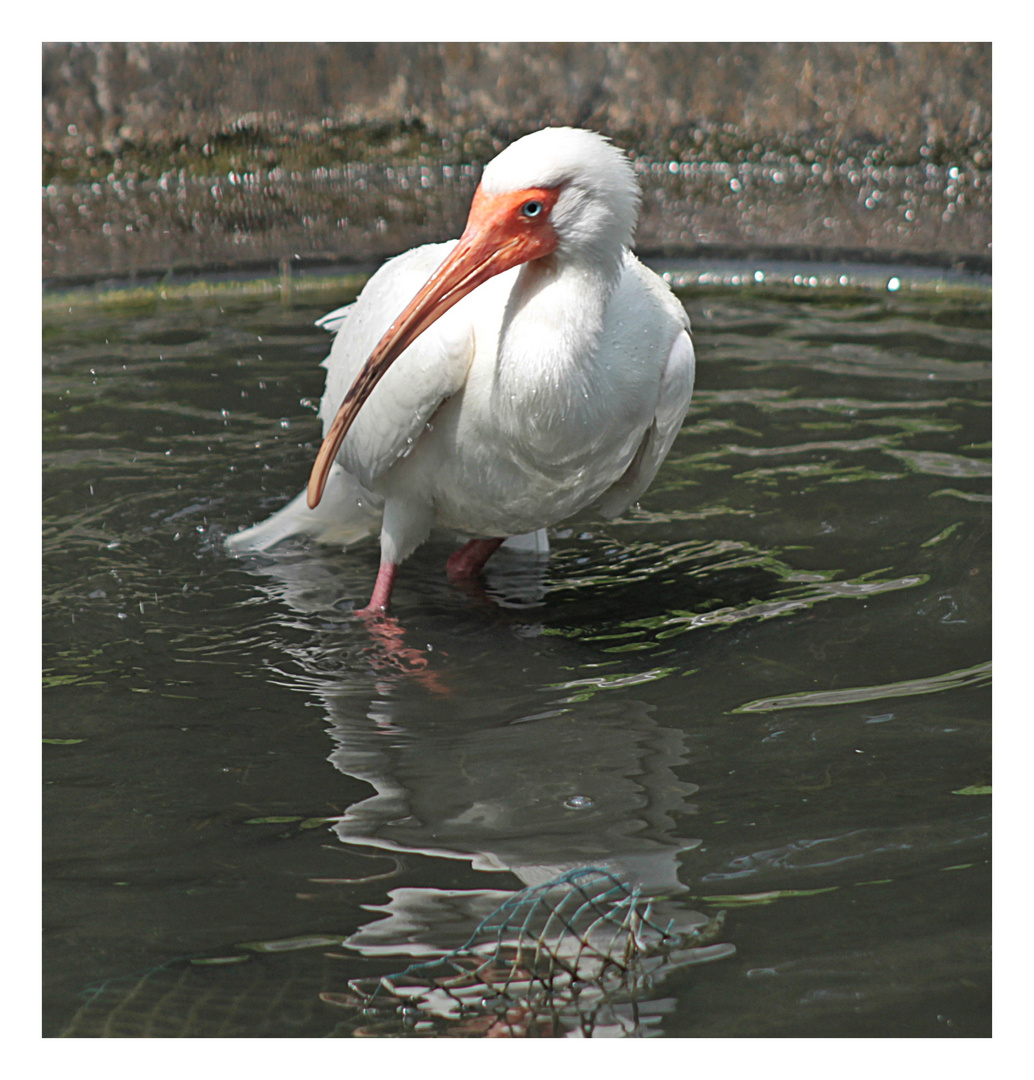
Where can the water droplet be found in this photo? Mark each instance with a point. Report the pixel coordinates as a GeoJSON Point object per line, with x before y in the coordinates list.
{"type": "Point", "coordinates": [579, 802]}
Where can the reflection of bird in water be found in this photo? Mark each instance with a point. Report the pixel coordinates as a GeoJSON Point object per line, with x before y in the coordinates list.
{"type": "Point", "coordinates": [587, 791]}
{"type": "Point", "coordinates": [311, 586]}
{"type": "Point", "coordinates": [534, 369]}
{"type": "Point", "coordinates": [536, 796]}
{"type": "Point", "coordinates": [581, 806]}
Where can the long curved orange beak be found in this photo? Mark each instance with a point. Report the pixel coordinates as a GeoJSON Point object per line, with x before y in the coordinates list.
{"type": "Point", "coordinates": [498, 237]}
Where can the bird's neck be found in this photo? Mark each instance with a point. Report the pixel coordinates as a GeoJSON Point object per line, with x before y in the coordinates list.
{"type": "Point", "coordinates": [552, 326]}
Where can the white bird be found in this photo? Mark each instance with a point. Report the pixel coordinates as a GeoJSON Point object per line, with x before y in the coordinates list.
{"type": "Point", "coordinates": [501, 383]}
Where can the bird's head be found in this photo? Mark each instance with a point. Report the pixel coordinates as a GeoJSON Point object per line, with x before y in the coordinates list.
{"type": "Point", "coordinates": [595, 202]}
{"type": "Point", "coordinates": [559, 191]}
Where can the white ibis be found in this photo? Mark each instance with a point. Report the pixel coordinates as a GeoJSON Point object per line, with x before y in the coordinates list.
{"type": "Point", "coordinates": [501, 383]}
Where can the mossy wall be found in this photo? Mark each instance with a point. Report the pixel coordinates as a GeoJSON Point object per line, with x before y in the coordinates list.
{"type": "Point", "coordinates": [190, 155]}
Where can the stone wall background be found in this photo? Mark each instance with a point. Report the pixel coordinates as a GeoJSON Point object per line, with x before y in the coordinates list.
{"type": "Point", "coordinates": [161, 156]}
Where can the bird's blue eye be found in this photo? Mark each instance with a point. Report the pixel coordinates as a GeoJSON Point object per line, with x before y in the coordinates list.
{"type": "Point", "coordinates": [532, 208]}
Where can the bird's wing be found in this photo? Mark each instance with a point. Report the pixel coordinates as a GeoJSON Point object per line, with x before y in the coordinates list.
{"type": "Point", "coordinates": [334, 320]}
{"type": "Point", "coordinates": [674, 392]}
{"type": "Point", "coordinates": [432, 369]}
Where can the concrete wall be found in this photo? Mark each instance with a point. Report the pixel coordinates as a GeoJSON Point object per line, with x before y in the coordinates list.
{"type": "Point", "coordinates": [133, 114]}
{"type": "Point", "coordinates": [906, 94]}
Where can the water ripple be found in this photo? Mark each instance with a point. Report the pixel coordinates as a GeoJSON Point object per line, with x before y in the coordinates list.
{"type": "Point", "coordinates": [978, 675]}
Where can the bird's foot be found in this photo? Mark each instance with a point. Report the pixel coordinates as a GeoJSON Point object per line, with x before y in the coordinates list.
{"type": "Point", "coordinates": [371, 611]}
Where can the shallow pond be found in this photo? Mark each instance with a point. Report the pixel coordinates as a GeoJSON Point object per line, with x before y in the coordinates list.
{"type": "Point", "coordinates": [765, 691]}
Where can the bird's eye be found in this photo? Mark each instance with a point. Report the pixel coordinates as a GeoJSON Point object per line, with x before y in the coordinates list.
{"type": "Point", "coordinates": [532, 208]}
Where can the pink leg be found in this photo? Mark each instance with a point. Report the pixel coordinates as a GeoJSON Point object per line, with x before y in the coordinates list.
{"type": "Point", "coordinates": [381, 591]}
{"type": "Point", "coordinates": [471, 558]}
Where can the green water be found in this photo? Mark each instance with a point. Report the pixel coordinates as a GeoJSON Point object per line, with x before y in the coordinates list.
{"type": "Point", "coordinates": [764, 691]}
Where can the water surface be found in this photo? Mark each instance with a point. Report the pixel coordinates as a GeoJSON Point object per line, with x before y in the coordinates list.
{"type": "Point", "coordinates": [765, 690]}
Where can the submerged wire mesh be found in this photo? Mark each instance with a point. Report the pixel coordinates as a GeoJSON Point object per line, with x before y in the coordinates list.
{"type": "Point", "coordinates": [577, 955]}
{"type": "Point", "coordinates": [569, 956]}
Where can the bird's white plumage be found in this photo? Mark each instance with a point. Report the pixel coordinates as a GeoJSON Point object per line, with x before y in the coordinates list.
{"type": "Point", "coordinates": [553, 387]}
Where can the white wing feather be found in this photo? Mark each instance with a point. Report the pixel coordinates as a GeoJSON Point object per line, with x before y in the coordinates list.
{"type": "Point", "coordinates": [676, 389]}
{"type": "Point", "coordinates": [432, 369]}
{"type": "Point", "coordinates": [334, 320]}
{"type": "Point", "coordinates": [429, 371]}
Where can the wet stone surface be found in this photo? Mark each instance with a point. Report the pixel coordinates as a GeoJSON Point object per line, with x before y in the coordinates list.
{"type": "Point", "coordinates": [137, 224]}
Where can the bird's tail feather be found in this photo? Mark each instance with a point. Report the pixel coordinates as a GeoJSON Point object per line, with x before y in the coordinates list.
{"type": "Point", "coordinates": [345, 514]}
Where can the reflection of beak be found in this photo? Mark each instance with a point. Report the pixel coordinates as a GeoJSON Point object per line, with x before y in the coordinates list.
{"type": "Point", "coordinates": [496, 238]}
